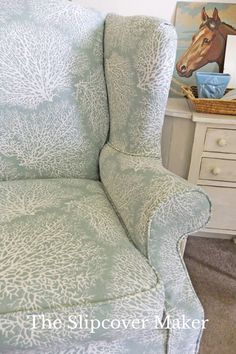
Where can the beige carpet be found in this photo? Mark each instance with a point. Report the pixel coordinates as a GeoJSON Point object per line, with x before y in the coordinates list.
{"type": "Point", "coordinates": [212, 267]}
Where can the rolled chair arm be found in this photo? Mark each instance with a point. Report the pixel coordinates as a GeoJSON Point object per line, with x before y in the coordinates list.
{"type": "Point", "coordinates": [158, 209]}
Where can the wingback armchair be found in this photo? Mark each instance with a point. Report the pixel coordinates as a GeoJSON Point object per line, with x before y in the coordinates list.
{"type": "Point", "coordinates": [90, 220]}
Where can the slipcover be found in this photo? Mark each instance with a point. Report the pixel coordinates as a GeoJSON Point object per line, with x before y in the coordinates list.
{"type": "Point", "coordinates": [90, 220]}
{"type": "Point", "coordinates": [65, 254]}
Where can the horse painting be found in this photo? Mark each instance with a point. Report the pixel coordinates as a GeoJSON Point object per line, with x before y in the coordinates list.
{"type": "Point", "coordinates": [208, 45]}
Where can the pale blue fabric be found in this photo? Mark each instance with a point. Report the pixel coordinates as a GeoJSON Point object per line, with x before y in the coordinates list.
{"type": "Point", "coordinates": [159, 209]}
{"type": "Point", "coordinates": [53, 101]}
{"type": "Point", "coordinates": [79, 235]}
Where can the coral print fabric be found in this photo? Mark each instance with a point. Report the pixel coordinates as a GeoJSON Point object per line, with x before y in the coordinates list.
{"type": "Point", "coordinates": [64, 253]}
{"type": "Point", "coordinates": [53, 105]}
{"type": "Point", "coordinates": [139, 59]}
{"type": "Point", "coordinates": [159, 209]}
{"type": "Point", "coordinates": [87, 228]}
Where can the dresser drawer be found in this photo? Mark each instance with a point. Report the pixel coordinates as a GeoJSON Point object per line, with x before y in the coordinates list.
{"type": "Point", "coordinates": [218, 170]}
{"type": "Point", "coordinates": [223, 207]}
{"type": "Point", "coordinates": [220, 140]}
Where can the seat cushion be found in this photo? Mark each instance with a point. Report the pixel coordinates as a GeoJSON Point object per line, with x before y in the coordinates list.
{"type": "Point", "coordinates": [63, 252]}
{"type": "Point", "coordinates": [53, 102]}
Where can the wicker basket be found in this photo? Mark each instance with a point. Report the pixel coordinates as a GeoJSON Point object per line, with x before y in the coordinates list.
{"type": "Point", "coordinates": [209, 105]}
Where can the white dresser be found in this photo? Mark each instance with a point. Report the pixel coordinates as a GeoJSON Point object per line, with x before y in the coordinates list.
{"type": "Point", "coordinates": [202, 148]}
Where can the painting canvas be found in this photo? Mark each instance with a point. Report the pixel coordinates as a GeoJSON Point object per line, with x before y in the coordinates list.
{"type": "Point", "coordinates": [230, 60]}
{"type": "Point", "coordinates": [202, 29]}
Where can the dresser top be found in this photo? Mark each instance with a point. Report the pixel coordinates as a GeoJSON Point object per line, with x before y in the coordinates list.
{"type": "Point", "coordinates": [178, 107]}
{"type": "Point", "coordinates": [182, 108]}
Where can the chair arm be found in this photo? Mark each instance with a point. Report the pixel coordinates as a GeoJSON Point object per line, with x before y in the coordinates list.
{"type": "Point", "coordinates": [148, 197]}
{"type": "Point", "coordinates": [158, 209]}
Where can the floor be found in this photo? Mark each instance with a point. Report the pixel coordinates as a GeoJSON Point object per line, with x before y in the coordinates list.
{"type": "Point", "coordinates": [212, 268]}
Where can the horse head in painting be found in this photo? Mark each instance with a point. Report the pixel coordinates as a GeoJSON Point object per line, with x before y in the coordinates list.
{"type": "Point", "coordinates": [207, 46]}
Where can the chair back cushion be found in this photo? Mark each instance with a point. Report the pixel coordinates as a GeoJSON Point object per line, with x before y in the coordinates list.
{"type": "Point", "coordinates": [53, 101]}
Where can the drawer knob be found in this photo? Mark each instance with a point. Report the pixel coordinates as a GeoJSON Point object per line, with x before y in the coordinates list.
{"type": "Point", "coordinates": [216, 171]}
{"type": "Point", "coordinates": [222, 142]}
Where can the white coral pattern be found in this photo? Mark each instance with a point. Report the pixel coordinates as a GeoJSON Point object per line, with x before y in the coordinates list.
{"type": "Point", "coordinates": [42, 249]}
{"type": "Point", "coordinates": [35, 64]}
{"type": "Point", "coordinates": [53, 142]}
{"type": "Point", "coordinates": [63, 250]}
{"type": "Point", "coordinates": [52, 260]}
{"type": "Point", "coordinates": [101, 347]}
{"type": "Point", "coordinates": [102, 220]}
{"type": "Point", "coordinates": [129, 271]}
{"type": "Point", "coordinates": [147, 131]}
{"type": "Point", "coordinates": [91, 94]}
{"type": "Point", "coordinates": [138, 69]}
{"type": "Point", "coordinates": [54, 112]}
{"type": "Point", "coordinates": [125, 33]}
{"type": "Point", "coordinates": [8, 170]}
{"type": "Point", "coordinates": [153, 61]}
{"type": "Point", "coordinates": [16, 202]}
{"type": "Point", "coordinates": [120, 87]}
{"type": "Point", "coordinates": [78, 22]}
{"type": "Point", "coordinates": [158, 211]}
